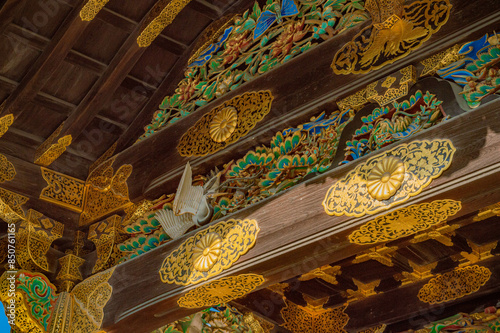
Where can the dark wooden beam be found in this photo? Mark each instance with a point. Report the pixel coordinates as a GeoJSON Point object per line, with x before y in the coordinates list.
{"type": "Point", "coordinates": [296, 233]}
{"type": "Point", "coordinates": [42, 70]}
{"type": "Point", "coordinates": [9, 11]}
{"type": "Point", "coordinates": [312, 88]}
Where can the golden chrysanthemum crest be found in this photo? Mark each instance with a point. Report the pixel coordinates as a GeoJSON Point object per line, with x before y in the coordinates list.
{"type": "Point", "coordinates": [191, 264]}
{"type": "Point", "coordinates": [386, 178]}
{"type": "Point", "coordinates": [223, 124]}
{"type": "Point", "coordinates": [423, 161]}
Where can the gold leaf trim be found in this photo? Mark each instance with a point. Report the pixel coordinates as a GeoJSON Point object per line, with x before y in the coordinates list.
{"type": "Point", "coordinates": [5, 122]}
{"type": "Point", "coordinates": [238, 237]}
{"type": "Point", "coordinates": [91, 9]}
{"type": "Point", "coordinates": [424, 161]}
{"type": "Point", "coordinates": [7, 170]}
{"type": "Point", "coordinates": [405, 222]}
{"type": "Point", "coordinates": [167, 16]}
{"type": "Point", "coordinates": [221, 291]}
{"type": "Point", "coordinates": [299, 319]}
{"type": "Point", "coordinates": [454, 285]}
{"type": "Point", "coordinates": [63, 190]}
{"type": "Point", "coordinates": [251, 108]}
{"type": "Point", "coordinates": [393, 38]}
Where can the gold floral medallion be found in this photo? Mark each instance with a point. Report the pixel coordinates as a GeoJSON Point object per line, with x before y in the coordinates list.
{"type": "Point", "coordinates": [224, 124]}
{"type": "Point", "coordinates": [386, 178]}
{"type": "Point", "coordinates": [207, 252]}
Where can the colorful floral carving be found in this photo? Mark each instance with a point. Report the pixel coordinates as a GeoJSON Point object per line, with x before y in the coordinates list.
{"type": "Point", "coordinates": [390, 124]}
{"type": "Point", "coordinates": [240, 58]}
{"type": "Point", "coordinates": [478, 72]}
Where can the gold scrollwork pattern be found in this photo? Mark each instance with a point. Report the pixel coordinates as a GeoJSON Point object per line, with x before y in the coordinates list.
{"type": "Point", "coordinates": [441, 60]}
{"type": "Point", "coordinates": [89, 299]}
{"type": "Point", "coordinates": [106, 235]}
{"type": "Point", "coordinates": [251, 108]}
{"type": "Point", "coordinates": [35, 236]}
{"type": "Point", "coordinates": [10, 206]}
{"type": "Point", "coordinates": [167, 16]}
{"type": "Point", "coordinates": [221, 291]}
{"type": "Point", "coordinates": [391, 37]}
{"type": "Point", "coordinates": [454, 285]}
{"type": "Point", "coordinates": [63, 190]}
{"type": "Point", "coordinates": [106, 191]}
{"type": "Point", "coordinates": [382, 92]}
{"type": "Point", "coordinates": [5, 122]}
{"type": "Point", "coordinates": [238, 237]}
{"type": "Point", "coordinates": [405, 222]}
{"type": "Point", "coordinates": [48, 151]}
{"type": "Point", "coordinates": [91, 8]}
{"type": "Point", "coordinates": [424, 161]}
{"type": "Point", "coordinates": [7, 170]}
{"type": "Point", "coordinates": [300, 319]}
{"type": "Point", "coordinates": [69, 272]}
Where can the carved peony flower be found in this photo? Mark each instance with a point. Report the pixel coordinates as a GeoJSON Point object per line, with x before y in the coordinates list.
{"type": "Point", "coordinates": [207, 252]}
{"type": "Point", "coordinates": [386, 178]}
{"type": "Point", "coordinates": [223, 124]}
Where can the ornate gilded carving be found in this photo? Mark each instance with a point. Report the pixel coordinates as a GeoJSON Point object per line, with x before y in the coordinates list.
{"type": "Point", "coordinates": [35, 235]}
{"type": "Point", "coordinates": [91, 8]}
{"type": "Point", "coordinates": [48, 151]}
{"type": "Point", "coordinates": [5, 122]}
{"type": "Point", "coordinates": [221, 291]}
{"type": "Point", "coordinates": [137, 211]}
{"type": "Point", "coordinates": [364, 290]}
{"type": "Point", "coordinates": [383, 93]}
{"type": "Point", "coordinates": [167, 15]}
{"type": "Point", "coordinates": [424, 161]}
{"type": "Point", "coordinates": [35, 299]}
{"type": "Point", "coordinates": [386, 178]}
{"type": "Point", "coordinates": [441, 60]}
{"type": "Point", "coordinates": [478, 253]}
{"type": "Point", "coordinates": [257, 324]}
{"type": "Point", "coordinates": [10, 206]}
{"type": "Point", "coordinates": [454, 285]}
{"type": "Point", "coordinates": [238, 237]}
{"type": "Point", "coordinates": [207, 252]}
{"type": "Point", "coordinates": [419, 272]}
{"type": "Point", "coordinates": [391, 37]}
{"type": "Point", "coordinates": [69, 274]}
{"type": "Point", "coordinates": [89, 299]}
{"type": "Point", "coordinates": [300, 319]}
{"type": "Point", "coordinates": [487, 212]}
{"type": "Point", "coordinates": [106, 191]}
{"type": "Point", "coordinates": [441, 234]}
{"type": "Point", "coordinates": [223, 124]}
{"type": "Point", "coordinates": [382, 254]}
{"type": "Point", "coordinates": [326, 273]}
{"type": "Point", "coordinates": [251, 108]}
{"type": "Point", "coordinates": [63, 190]}
{"type": "Point", "coordinates": [39, 309]}
{"type": "Point", "coordinates": [106, 236]}
{"type": "Point", "coordinates": [7, 170]}
{"type": "Point", "coordinates": [405, 222]}
{"type": "Point", "coordinates": [375, 329]}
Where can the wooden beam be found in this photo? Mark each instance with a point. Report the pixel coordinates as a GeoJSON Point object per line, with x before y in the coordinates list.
{"type": "Point", "coordinates": [9, 11]}
{"type": "Point", "coordinates": [102, 91]}
{"type": "Point", "coordinates": [46, 64]}
{"type": "Point", "coordinates": [296, 233]}
{"type": "Point", "coordinates": [312, 88]}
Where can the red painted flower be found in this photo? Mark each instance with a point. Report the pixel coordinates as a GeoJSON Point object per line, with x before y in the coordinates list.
{"type": "Point", "coordinates": [187, 89]}
{"type": "Point", "coordinates": [234, 47]}
{"type": "Point", "coordinates": [291, 34]}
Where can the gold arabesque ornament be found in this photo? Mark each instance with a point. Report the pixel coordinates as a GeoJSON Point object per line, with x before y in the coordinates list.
{"type": "Point", "coordinates": [386, 178]}
{"type": "Point", "coordinates": [223, 124]}
{"type": "Point", "coordinates": [207, 252]}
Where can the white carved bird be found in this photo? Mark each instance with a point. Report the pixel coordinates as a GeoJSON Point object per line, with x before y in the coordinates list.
{"type": "Point", "coordinates": [190, 206]}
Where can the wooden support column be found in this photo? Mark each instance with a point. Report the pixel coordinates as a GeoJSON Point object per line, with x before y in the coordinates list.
{"type": "Point", "coordinates": [297, 234]}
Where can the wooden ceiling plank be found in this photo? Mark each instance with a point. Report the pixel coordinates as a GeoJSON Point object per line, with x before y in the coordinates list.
{"type": "Point", "coordinates": [103, 90]}
{"type": "Point", "coordinates": [42, 70]}
{"type": "Point", "coordinates": [8, 12]}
